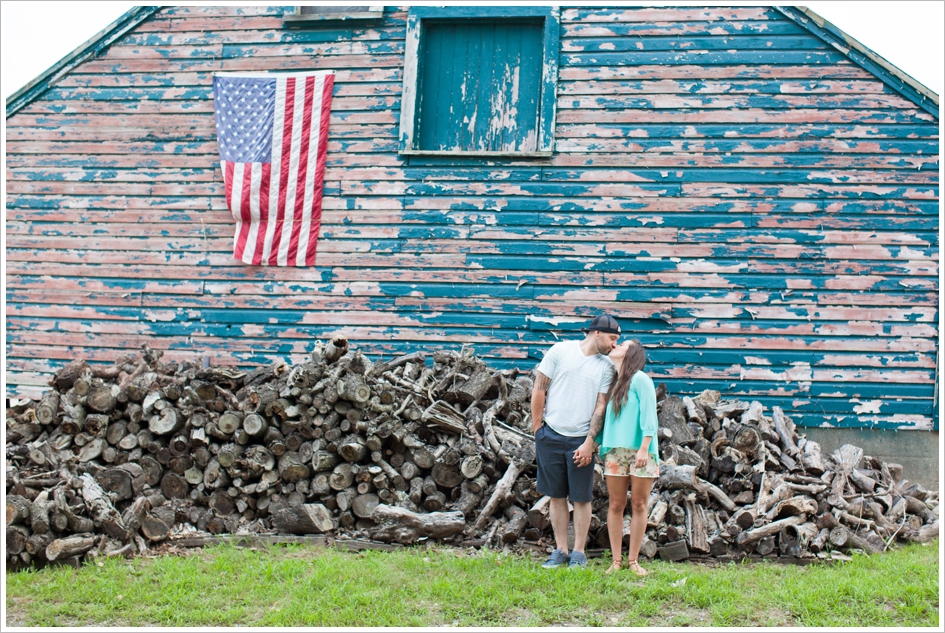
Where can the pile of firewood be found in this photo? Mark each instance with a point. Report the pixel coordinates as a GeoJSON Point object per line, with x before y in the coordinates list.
{"type": "Point", "coordinates": [734, 482]}
{"type": "Point", "coordinates": [113, 460]}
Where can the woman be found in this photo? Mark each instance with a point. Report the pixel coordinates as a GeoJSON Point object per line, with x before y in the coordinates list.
{"type": "Point", "coordinates": [628, 448]}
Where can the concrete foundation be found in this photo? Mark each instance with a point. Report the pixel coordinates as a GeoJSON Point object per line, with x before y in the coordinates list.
{"type": "Point", "coordinates": [919, 452]}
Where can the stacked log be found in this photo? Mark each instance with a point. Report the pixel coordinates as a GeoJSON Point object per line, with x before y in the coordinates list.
{"type": "Point", "coordinates": [114, 460]}
{"type": "Point", "coordinates": [736, 482]}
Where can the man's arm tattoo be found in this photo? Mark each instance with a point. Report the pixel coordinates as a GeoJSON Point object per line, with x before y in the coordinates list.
{"type": "Point", "coordinates": [597, 420]}
{"type": "Point", "coordinates": [542, 382]}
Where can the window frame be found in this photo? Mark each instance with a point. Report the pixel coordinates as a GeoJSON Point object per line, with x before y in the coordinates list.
{"type": "Point", "coordinates": [374, 12]}
{"type": "Point", "coordinates": [549, 68]}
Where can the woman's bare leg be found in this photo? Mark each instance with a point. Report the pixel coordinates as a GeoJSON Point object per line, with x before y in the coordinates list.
{"type": "Point", "coordinates": [617, 491]}
{"type": "Point", "coordinates": [639, 496]}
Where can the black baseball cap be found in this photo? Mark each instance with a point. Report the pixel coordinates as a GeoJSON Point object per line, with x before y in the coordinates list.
{"type": "Point", "coordinates": [603, 323]}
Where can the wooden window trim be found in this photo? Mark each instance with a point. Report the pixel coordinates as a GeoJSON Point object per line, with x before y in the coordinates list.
{"type": "Point", "coordinates": [549, 71]}
{"type": "Point", "coordinates": [375, 12]}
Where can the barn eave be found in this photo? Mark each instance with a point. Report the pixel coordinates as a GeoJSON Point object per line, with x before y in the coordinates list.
{"type": "Point", "coordinates": [865, 57]}
{"type": "Point", "coordinates": [89, 50]}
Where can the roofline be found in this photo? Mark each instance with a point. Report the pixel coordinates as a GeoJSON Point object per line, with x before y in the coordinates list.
{"type": "Point", "coordinates": [106, 37]}
{"type": "Point", "coordinates": [863, 56]}
{"type": "Point", "coordinates": [892, 76]}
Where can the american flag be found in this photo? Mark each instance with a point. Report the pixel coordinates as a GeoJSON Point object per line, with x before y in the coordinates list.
{"type": "Point", "coordinates": [273, 131]}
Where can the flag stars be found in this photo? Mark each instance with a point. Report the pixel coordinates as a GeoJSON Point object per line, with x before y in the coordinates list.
{"type": "Point", "coordinates": [245, 115]}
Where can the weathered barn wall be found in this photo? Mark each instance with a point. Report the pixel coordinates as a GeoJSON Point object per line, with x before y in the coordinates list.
{"type": "Point", "coordinates": [759, 211]}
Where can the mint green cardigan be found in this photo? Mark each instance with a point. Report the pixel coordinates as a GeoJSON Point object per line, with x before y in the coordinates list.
{"type": "Point", "coordinates": [637, 419]}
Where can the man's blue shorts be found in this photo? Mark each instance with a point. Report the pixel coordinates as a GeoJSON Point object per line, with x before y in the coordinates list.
{"type": "Point", "coordinates": [558, 475]}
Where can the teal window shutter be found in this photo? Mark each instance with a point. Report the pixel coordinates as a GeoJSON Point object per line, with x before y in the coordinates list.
{"type": "Point", "coordinates": [480, 81]}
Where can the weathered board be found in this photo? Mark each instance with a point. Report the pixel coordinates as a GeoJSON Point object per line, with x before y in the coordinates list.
{"type": "Point", "coordinates": [756, 208]}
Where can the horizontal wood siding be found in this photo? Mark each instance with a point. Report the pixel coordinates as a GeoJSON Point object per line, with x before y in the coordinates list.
{"type": "Point", "coordinates": [759, 211]}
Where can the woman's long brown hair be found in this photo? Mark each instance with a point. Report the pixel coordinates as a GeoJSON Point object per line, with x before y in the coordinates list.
{"type": "Point", "coordinates": [634, 361]}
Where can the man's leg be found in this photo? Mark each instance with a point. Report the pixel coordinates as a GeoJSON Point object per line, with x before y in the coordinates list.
{"type": "Point", "coordinates": [553, 481]}
{"type": "Point", "coordinates": [581, 494]}
{"type": "Point", "coordinates": [582, 522]}
{"type": "Point", "coordinates": [560, 516]}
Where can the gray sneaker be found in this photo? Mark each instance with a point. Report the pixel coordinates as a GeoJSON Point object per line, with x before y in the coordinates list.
{"type": "Point", "coordinates": [558, 558]}
{"type": "Point", "coordinates": [578, 561]}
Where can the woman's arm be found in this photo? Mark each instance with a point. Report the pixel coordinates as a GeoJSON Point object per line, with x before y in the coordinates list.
{"type": "Point", "coordinates": [646, 394]}
{"type": "Point", "coordinates": [649, 422]}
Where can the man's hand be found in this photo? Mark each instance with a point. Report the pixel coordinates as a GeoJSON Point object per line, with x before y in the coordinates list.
{"type": "Point", "coordinates": [585, 453]}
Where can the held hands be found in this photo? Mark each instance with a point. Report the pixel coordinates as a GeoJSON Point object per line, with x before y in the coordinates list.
{"type": "Point", "coordinates": [584, 454]}
{"type": "Point", "coordinates": [642, 458]}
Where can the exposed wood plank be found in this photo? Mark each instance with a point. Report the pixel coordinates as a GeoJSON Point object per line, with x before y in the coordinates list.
{"type": "Point", "coordinates": [668, 87]}
{"type": "Point", "coordinates": [120, 166]}
{"type": "Point", "coordinates": [871, 101]}
{"type": "Point", "coordinates": [707, 58]}
{"type": "Point", "coordinates": [752, 115]}
{"type": "Point", "coordinates": [389, 30]}
{"type": "Point", "coordinates": [672, 27]}
{"type": "Point", "coordinates": [731, 42]}
{"type": "Point", "coordinates": [749, 130]}
{"type": "Point", "coordinates": [693, 246]}
{"type": "Point", "coordinates": [681, 14]}
{"type": "Point", "coordinates": [583, 174]}
{"type": "Point", "coordinates": [207, 12]}
{"type": "Point", "coordinates": [347, 82]}
{"type": "Point", "coordinates": [254, 323]}
{"type": "Point", "coordinates": [226, 294]}
{"type": "Point", "coordinates": [842, 70]}
{"type": "Point", "coordinates": [297, 62]}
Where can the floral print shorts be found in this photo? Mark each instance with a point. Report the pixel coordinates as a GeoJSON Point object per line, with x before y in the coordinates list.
{"type": "Point", "coordinates": [619, 462]}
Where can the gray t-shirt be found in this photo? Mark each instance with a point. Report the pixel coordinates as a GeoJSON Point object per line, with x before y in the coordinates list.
{"type": "Point", "coordinates": [576, 380]}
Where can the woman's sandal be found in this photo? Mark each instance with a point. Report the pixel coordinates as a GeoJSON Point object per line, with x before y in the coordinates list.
{"type": "Point", "coordinates": [614, 566]}
{"type": "Point", "coordinates": [635, 568]}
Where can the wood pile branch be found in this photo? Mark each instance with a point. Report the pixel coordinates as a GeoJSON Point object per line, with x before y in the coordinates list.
{"type": "Point", "coordinates": [114, 460]}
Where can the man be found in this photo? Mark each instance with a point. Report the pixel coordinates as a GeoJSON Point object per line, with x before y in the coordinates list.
{"type": "Point", "coordinates": [568, 406]}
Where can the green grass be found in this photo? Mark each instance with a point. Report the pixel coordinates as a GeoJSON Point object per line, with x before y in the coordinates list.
{"type": "Point", "coordinates": [311, 586]}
